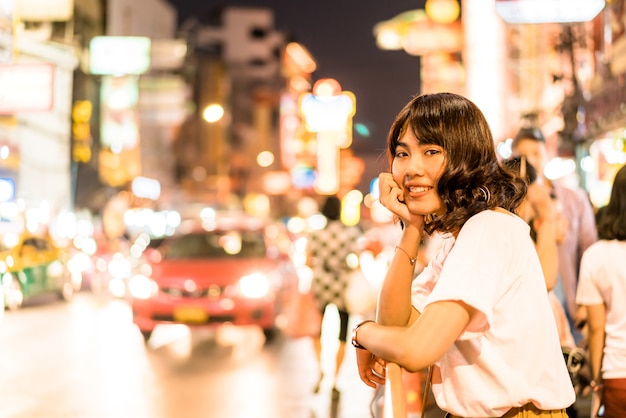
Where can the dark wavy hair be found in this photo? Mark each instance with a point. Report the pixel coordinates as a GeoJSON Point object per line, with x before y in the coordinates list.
{"type": "Point", "coordinates": [473, 180]}
{"type": "Point", "coordinates": [612, 223]}
{"type": "Point", "coordinates": [515, 164]}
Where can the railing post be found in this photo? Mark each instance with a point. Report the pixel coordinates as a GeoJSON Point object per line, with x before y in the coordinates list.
{"type": "Point", "coordinates": [395, 396]}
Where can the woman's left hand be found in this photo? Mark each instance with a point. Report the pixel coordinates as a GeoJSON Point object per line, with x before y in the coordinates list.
{"type": "Point", "coordinates": [371, 368]}
{"type": "Point", "coordinates": [391, 196]}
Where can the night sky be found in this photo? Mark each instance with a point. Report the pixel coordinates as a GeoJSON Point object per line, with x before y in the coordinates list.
{"type": "Point", "coordinates": [339, 35]}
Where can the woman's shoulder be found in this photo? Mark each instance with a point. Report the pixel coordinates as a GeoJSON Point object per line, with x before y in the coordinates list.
{"type": "Point", "coordinates": [606, 247]}
{"type": "Point", "coordinates": [497, 215]}
{"type": "Point", "coordinates": [496, 222]}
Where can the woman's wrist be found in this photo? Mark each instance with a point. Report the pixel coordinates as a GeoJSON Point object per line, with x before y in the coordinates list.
{"type": "Point", "coordinates": [412, 260]}
{"type": "Point", "coordinates": [412, 232]}
{"type": "Point", "coordinates": [355, 343]}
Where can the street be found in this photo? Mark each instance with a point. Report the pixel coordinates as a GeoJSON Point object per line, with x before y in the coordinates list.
{"type": "Point", "coordinates": [85, 359]}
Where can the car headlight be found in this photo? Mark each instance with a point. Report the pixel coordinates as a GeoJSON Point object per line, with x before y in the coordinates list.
{"type": "Point", "coordinates": [141, 287]}
{"type": "Point", "coordinates": [117, 287]}
{"type": "Point", "coordinates": [254, 286]}
{"type": "Point", "coordinates": [119, 266]}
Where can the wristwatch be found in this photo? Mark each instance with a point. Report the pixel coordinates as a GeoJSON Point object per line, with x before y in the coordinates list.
{"type": "Point", "coordinates": [354, 330]}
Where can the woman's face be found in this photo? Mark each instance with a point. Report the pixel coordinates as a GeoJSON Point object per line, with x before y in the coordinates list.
{"type": "Point", "coordinates": [416, 168]}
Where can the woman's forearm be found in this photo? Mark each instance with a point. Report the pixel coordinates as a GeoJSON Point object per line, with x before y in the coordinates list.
{"type": "Point", "coordinates": [394, 301]}
{"type": "Point", "coordinates": [548, 253]}
{"type": "Point", "coordinates": [596, 317]}
{"type": "Point", "coordinates": [419, 345]}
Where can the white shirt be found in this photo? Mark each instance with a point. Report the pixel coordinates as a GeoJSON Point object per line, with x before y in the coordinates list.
{"type": "Point", "coordinates": [602, 279]}
{"type": "Point", "coordinates": [509, 354]}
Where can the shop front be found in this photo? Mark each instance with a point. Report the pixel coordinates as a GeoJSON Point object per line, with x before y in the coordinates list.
{"type": "Point", "coordinates": [606, 132]}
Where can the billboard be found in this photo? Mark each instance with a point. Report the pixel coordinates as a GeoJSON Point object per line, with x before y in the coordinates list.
{"type": "Point", "coordinates": [26, 87]}
{"type": "Point", "coordinates": [119, 55]}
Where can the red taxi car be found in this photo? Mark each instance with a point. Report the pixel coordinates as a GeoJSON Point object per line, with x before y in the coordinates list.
{"type": "Point", "coordinates": [228, 273]}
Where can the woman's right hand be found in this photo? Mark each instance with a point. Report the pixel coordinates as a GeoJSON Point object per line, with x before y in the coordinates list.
{"type": "Point", "coordinates": [391, 196]}
{"type": "Point", "coordinates": [371, 368]}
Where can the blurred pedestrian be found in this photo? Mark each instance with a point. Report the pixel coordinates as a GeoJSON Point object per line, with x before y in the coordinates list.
{"type": "Point", "coordinates": [332, 254]}
{"type": "Point", "coordinates": [479, 312]}
{"type": "Point", "coordinates": [602, 292]}
{"type": "Point", "coordinates": [547, 228]}
{"type": "Point", "coordinates": [581, 227]}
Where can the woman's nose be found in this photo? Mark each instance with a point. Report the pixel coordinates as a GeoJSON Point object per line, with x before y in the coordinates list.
{"type": "Point", "coordinates": [414, 168]}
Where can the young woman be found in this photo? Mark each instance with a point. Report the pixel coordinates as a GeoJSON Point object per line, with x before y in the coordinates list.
{"type": "Point", "coordinates": [479, 312]}
{"type": "Point", "coordinates": [602, 292]}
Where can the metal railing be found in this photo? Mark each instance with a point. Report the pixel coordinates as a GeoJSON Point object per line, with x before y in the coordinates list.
{"type": "Point", "coordinates": [395, 396]}
{"type": "Point", "coordinates": [405, 393]}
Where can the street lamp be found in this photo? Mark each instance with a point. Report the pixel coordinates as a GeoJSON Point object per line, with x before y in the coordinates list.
{"type": "Point", "coordinates": [443, 11]}
{"type": "Point", "coordinates": [213, 113]}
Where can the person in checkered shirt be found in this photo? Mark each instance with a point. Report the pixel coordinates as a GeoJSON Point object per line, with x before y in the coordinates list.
{"type": "Point", "coordinates": [328, 253]}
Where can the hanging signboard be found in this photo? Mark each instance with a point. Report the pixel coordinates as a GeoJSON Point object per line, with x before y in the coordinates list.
{"type": "Point", "coordinates": [45, 10]}
{"type": "Point", "coordinates": [548, 11]}
{"type": "Point", "coordinates": [26, 87]}
{"type": "Point", "coordinates": [119, 55]}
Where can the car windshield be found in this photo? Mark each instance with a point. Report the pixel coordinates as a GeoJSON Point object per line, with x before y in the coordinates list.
{"type": "Point", "coordinates": [218, 244]}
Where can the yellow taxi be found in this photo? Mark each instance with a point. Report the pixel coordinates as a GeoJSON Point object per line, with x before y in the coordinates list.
{"type": "Point", "coordinates": [32, 267]}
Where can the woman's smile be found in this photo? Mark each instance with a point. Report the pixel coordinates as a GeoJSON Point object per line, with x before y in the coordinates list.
{"type": "Point", "coordinates": [418, 190]}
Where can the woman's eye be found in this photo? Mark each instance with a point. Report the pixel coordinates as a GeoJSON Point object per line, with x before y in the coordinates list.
{"type": "Point", "coordinates": [401, 154]}
{"type": "Point", "coordinates": [432, 152]}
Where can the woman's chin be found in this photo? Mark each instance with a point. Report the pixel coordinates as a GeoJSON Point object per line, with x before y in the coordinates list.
{"type": "Point", "coordinates": [419, 210]}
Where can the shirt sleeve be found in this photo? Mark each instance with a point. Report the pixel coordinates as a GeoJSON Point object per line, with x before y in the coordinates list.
{"type": "Point", "coordinates": [425, 281]}
{"type": "Point", "coordinates": [475, 270]}
{"type": "Point", "coordinates": [587, 292]}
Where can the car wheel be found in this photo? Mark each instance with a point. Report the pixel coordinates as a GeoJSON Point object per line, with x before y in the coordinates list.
{"type": "Point", "coordinates": [13, 294]}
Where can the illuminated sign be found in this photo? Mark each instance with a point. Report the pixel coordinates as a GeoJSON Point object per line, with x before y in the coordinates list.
{"type": "Point", "coordinates": [325, 114]}
{"type": "Point", "coordinates": [7, 189]}
{"type": "Point", "coordinates": [276, 182]}
{"type": "Point", "coordinates": [26, 87]}
{"type": "Point", "coordinates": [45, 10]}
{"type": "Point", "coordinates": [548, 11]}
{"type": "Point", "coordinates": [119, 157]}
{"type": "Point", "coordinates": [119, 114]}
{"type": "Point", "coordinates": [329, 109]}
{"type": "Point", "coordinates": [146, 188]}
{"type": "Point", "coordinates": [118, 55]}
{"type": "Point", "coordinates": [81, 131]}
{"type": "Point", "coordinates": [328, 112]}
{"type": "Point", "coordinates": [327, 181]}
{"type": "Point", "coordinates": [303, 177]}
